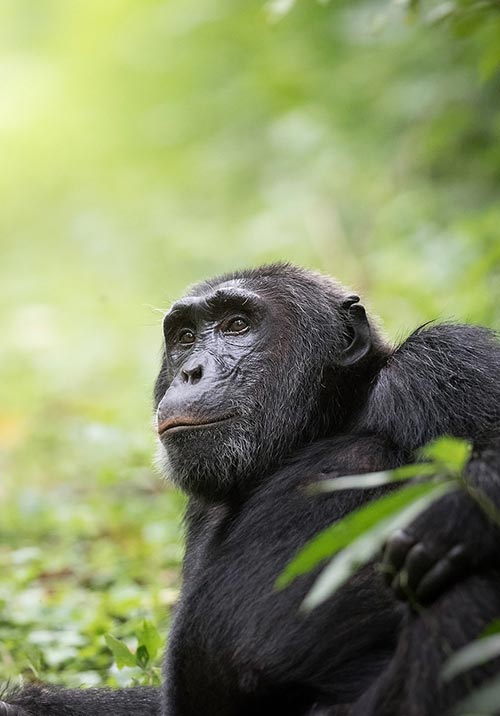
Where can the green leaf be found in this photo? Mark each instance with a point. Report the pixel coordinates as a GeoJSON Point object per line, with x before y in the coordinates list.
{"type": "Point", "coordinates": [451, 454]}
{"type": "Point", "coordinates": [122, 654]}
{"type": "Point", "coordinates": [142, 657]}
{"type": "Point", "coordinates": [34, 656]}
{"type": "Point", "coordinates": [373, 479]}
{"type": "Point", "coordinates": [149, 637]}
{"type": "Point", "coordinates": [492, 628]}
{"type": "Point", "coordinates": [474, 654]}
{"type": "Point", "coordinates": [345, 531]}
{"type": "Point", "coordinates": [482, 702]}
{"type": "Point", "coordinates": [362, 549]}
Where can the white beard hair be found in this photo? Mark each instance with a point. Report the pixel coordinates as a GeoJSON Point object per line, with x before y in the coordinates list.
{"type": "Point", "coordinates": [233, 458]}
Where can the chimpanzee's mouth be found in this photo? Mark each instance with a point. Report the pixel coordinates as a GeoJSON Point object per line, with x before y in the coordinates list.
{"type": "Point", "coordinates": [180, 423]}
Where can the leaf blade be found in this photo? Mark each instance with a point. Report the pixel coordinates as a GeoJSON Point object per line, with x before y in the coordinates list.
{"type": "Point", "coordinates": [343, 532]}
{"type": "Point", "coordinates": [474, 654]}
{"type": "Point", "coordinates": [483, 701]}
{"type": "Point", "coordinates": [361, 550]}
{"type": "Point", "coordinates": [121, 653]}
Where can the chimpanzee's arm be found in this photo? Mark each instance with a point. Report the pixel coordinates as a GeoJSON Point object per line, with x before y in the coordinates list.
{"type": "Point", "coordinates": [47, 701]}
{"type": "Point", "coordinates": [444, 380]}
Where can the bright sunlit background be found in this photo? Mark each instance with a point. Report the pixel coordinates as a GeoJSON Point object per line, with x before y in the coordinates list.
{"type": "Point", "coordinates": [146, 144]}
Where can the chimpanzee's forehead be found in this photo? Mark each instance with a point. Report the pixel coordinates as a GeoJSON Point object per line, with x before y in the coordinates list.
{"type": "Point", "coordinates": [214, 291]}
{"type": "Point", "coordinates": [234, 283]}
{"type": "Point", "coordinates": [208, 288]}
{"type": "Point", "coordinates": [279, 284]}
{"type": "Point", "coordinates": [224, 296]}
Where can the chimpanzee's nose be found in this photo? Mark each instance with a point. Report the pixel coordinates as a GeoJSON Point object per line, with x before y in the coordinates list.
{"type": "Point", "coordinates": [192, 375]}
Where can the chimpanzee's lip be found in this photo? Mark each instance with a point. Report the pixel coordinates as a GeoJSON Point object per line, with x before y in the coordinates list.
{"type": "Point", "coordinates": [188, 422]}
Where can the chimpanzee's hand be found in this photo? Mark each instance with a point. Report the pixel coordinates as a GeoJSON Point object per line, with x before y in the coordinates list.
{"type": "Point", "coordinates": [451, 539]}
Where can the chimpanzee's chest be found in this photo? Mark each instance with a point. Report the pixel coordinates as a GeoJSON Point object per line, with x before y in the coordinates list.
{"type": "Point", "coordinates": [241, 645]}
{"type": "Point", "coordinates": [230, 635]}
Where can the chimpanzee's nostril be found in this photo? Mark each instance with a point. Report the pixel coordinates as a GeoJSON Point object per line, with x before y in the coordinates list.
{"type": "Point", "coordinates": [196, 374]}
{"type": "Point", "coordinates": [192, 375]}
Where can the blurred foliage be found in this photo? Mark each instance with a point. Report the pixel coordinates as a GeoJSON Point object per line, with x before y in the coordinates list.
{"type": "Point", "coordinates": [146, 144]}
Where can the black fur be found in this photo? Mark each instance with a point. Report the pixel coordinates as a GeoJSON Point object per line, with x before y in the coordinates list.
{"type": "Point", "coordinates": [311, 390]}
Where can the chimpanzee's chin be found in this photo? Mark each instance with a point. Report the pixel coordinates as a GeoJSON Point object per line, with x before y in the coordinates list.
{"type": "Point", "coordinates": [202, 467]}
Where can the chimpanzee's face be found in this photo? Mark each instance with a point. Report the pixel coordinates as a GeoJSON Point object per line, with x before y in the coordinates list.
{"type": "Point", "coordinates": [246, 367]}
{"type": "Point", "coordinates": [210, 393]}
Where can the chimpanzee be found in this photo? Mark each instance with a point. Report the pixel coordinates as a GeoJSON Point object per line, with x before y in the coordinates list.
{"type": "Point", "coordinates": [273, 379]}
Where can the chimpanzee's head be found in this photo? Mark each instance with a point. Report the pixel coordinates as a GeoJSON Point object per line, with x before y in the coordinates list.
{"type": "Point", "coordinates": [256, 364]}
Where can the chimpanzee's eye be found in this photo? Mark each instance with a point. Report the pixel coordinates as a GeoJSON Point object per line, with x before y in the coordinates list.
{"type": "Point", "coordinates": [237, 324]}
{"type": "Point", "coordinates": [186, 337]}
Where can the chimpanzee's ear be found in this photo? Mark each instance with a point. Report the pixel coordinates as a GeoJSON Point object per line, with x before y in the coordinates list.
{"type": "Point", "coordinates": [362, 337]}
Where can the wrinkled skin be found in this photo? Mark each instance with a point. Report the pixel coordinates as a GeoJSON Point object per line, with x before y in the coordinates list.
{"type": "Point", "coordinates": [273, 379]}
{"type": "Point", "coordinates": [233, 379]}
